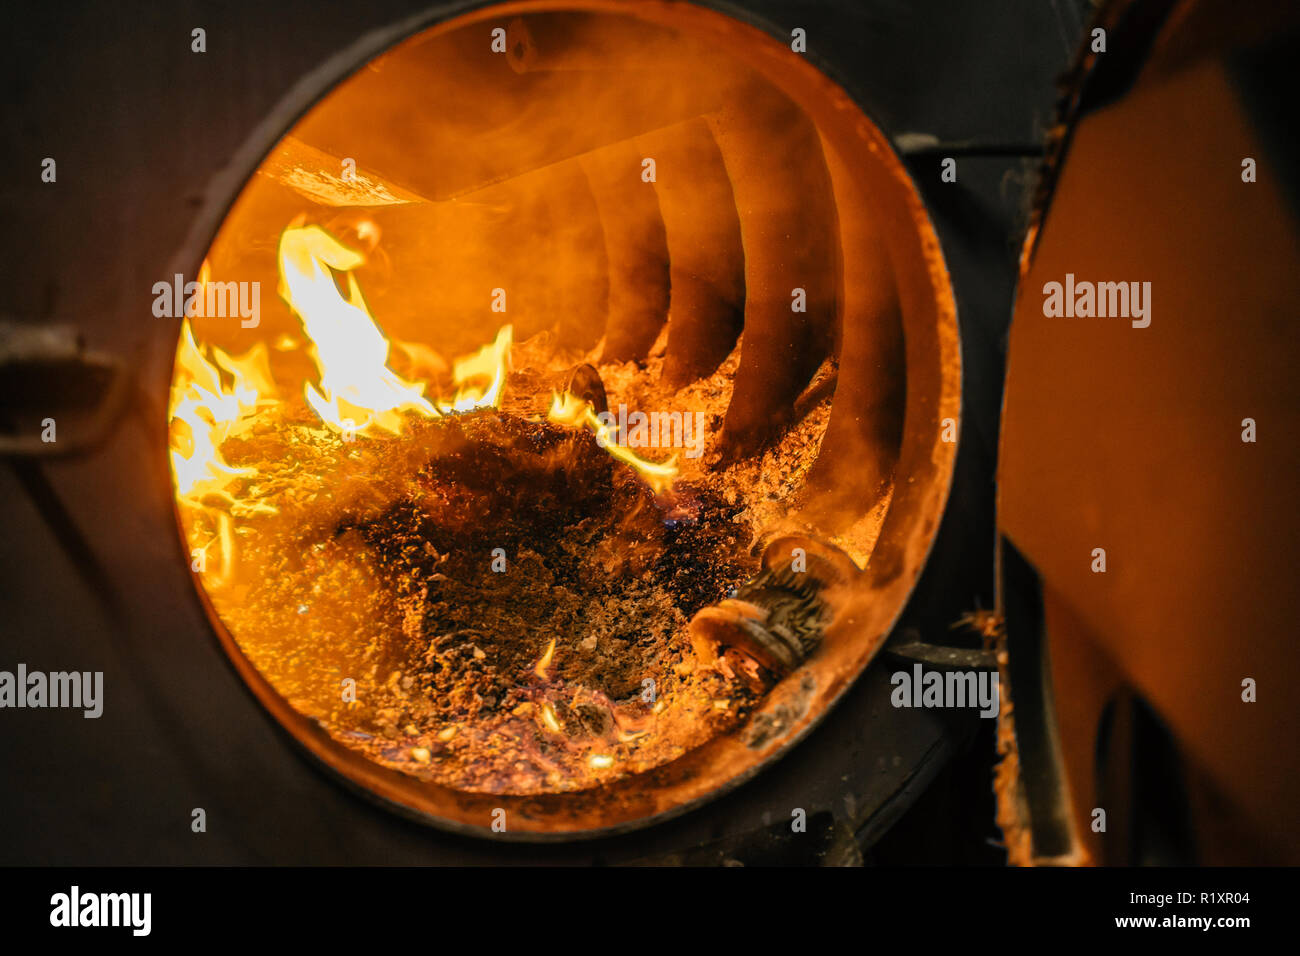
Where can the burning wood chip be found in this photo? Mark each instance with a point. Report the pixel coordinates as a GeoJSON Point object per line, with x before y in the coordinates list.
{"type": "Point", "coordinates": [596, 720]}
{"type": "Point", "coordinates": [585, 383]}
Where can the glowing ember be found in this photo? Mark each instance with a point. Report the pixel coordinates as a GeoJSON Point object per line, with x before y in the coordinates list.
{"type": "Point", "coordinates": [543, 665]}
{"type": "Point", "coordinates": [549, 718]}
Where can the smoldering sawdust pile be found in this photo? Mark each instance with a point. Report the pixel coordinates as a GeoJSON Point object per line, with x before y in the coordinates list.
{"type": "Point", "coordinates": [435, 570]}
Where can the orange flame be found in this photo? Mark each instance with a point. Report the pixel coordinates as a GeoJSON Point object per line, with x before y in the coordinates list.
{"type": "Point", "coordinates": [358, 391]}
{"type": "Point", "coordinates": [575, 412]}
{"type": "Point", "coordinates": [491, 362]}
{"type": "Point", "coordinates": [215, 396]}
{"type": "Point", "coordinates": [213, 410]}
{"type": "Point", "coordinates": [549, 719]}
{"type": "Point", "coordinates": [543, 667]}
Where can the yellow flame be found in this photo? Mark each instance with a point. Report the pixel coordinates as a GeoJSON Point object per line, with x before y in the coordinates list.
{"type": "Point", "coordinates": [490, 363]}
{"type": "Point", "coordinates": [543, 667]}
{"type": "Point", "coordinates": [358, 390]}
{"type": "Point", "coordinates": [549, 718]}
{"type": "Point", "coordinates": [575, 412]}
{"type": "Point", "coordinates": [251, 372]}
{"type": "Point", "coordinates": [216, 395]}
{"type": "Point", "coordinates": [213, 410]}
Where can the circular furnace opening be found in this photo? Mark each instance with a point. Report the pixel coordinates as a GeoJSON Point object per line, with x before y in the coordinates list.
{"type": "Point", "coordinates": [557, 420]}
